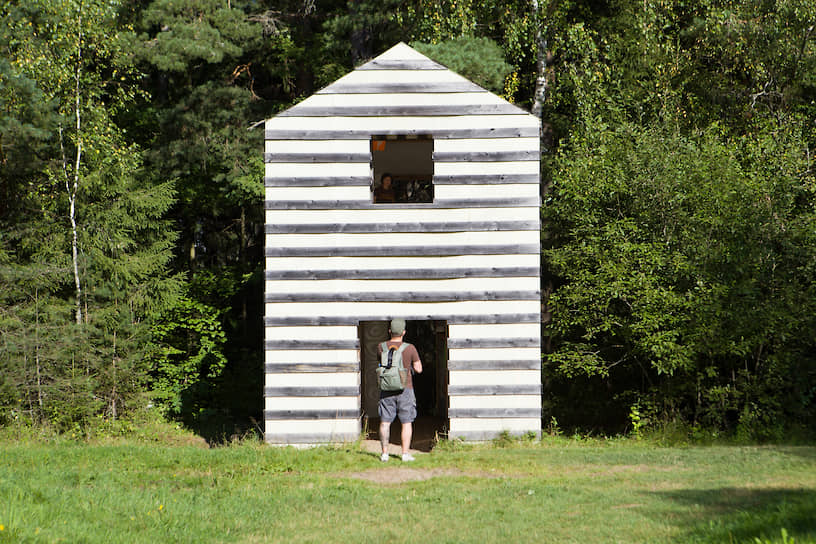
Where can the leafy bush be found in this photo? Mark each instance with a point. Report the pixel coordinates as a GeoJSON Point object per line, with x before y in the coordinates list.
{"type": "Point", "coordinates": [480, 60]}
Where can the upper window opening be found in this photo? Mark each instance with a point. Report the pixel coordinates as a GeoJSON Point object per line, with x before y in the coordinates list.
{"type": "Point", "coordinates": [402, 169]}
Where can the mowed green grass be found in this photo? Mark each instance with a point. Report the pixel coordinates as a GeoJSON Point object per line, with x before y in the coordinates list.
{"type": "Point", "coordinates": [557, 490]}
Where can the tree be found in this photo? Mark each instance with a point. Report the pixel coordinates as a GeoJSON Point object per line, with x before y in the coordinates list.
{"type": "Point", "coordinates": [213, 69]}
{"type": "Point", "coordinates": [84, 217]}
{"type": "Point", "coordinates": [480, 60]}
{"type": "Point", "coordinates": [681, 249]}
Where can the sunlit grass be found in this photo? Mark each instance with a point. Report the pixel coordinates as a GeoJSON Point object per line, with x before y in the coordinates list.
{"type": "Point", "coordinates": [558, 490]}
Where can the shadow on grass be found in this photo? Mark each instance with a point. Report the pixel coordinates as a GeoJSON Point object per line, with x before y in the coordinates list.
{"type": "Point", "coordinates": [805, 452]}
{"type": "Point", "coordinates": [731, 514]}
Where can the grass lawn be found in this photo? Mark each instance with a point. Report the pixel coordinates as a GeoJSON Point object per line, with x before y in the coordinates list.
{"type": "Point", "coordinates": [557, 490]}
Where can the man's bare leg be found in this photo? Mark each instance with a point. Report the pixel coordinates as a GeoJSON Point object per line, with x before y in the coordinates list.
{"type": "Point", "coordinates": [407, 432]}
{"type": "Point", "coordinates": [385, 435]}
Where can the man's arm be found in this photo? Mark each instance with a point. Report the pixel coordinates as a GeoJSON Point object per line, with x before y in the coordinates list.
{"type": "Point", "coordinates": [416, 363]}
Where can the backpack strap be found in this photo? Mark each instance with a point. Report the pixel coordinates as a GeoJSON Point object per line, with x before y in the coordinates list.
{"type": "Point", "coordinates": [400, 349]}
{"type": "Point", "coordinates": [397, 355]}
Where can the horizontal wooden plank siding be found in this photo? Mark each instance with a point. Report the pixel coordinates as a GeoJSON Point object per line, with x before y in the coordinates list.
{"type": "Point", "coordinates": [311, 391]}
{"type": "Point", "coordinates": [401, 274]}
{"type": "Point", "coordinates": [419, 287]}
{"type": "Point", "coordinates": [454, 343]}
{"type": "Point", "coordinates": [388, 88]}
{"type": "Point", "coordinates": [391, 251]}
{"type": "Point", "coordinates": [521, 389]}
{"type": "Point", "coordinates": [311, 414]}
{"type": "Point", "coordinates": [325, 228]}
{"type": "Point", "coordinates": [296, 321]}
{"type": "Point", "coordinates": [311, 344]}
{"type": "Point", "coordinates": [367, 205]}
{"type": "Point", "coordinates": [494, 412]}
{"type": "Point", "coordinates": [402, 296]}
{"type": "Point", "coordinates": [401, 65]}
{"type": "Point", "coordinates": [334, 259]}
{"type": "Point", "coordinates": [316, 157]}
{"type": "Point", "coordinates": [485, 179]}
{"type": "Point", "coordinates": [402, 110]}
{"type": "Point", "coordinates": [328, 181]}
{"type": "Point", "coordinates": [436, 134]}
{"type": "Point", "coordinates": [310, 439]}
{"type": "Point", "coordinates": [328, 368]}
{"type": "Point", "coordinates": [517, 364]}
{"type": "Point", "coordinates": [486, 156]}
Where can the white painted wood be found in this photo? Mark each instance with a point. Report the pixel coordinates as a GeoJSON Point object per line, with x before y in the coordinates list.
{"type": "Point", "coordinates": [310, 170]}
{"type": "Point", "coordinates": [510, 190]}
{"type": "Point", "coordinates": [317, 146]}
{"type": "Point", "coordinates": [407, 124]}
{"type": "Point", "coordinates": [441, 309]}
{"type": "Point", "coordinates": [471, 145]}
{"type": "Point", "coordinates": [312, 379]}
{"type": "Point", "coordinates": [521, 424]}
{"type": "Point", "coordinates": [404, 215]}
{"type": "Point", "coordinates": [308, 426]}
{"type": "Point", "coordinates": [361, 128]}
{"type": "Point", "coordinates": [397, 99]}
{"type": "Point", "coordinates": [496, 401]}
{"type": "Point", "coordinates": [496, 354]}
{"type": "Point", "coordinates": [478, 168]}
{"type": "Point", "coordinates": [396, 239]}
{"type": "Point", "coordinates": [499, 330]}
{"type": "Point", "coordinates": [464, 262]}
{"type": "Point", "coordinates": [492, 377]}
{"type": "Point", "coordinates": [356, 192]}
{"type": "Point", "coordinates": [312, 403]}
{"type": "Point", "coordinates": [416, 77]}
{"type": "Point", "coordinates": [362, 192]}
{"type": "Point", "coordinates": [384, 286]}
{"type": "Point", "coordinates": [401, 51]}
{"type": "Point", "coordinates": [308, 355]}
{"type": "Point", "coordinates": [311, 333]}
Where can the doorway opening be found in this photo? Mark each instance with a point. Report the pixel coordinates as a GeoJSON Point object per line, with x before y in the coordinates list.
{"type": "Point", "coordinates": [430, 337]}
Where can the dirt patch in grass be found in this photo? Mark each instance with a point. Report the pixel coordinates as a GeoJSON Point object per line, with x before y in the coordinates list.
{"type": "Point", "coordinates": [400, 475]}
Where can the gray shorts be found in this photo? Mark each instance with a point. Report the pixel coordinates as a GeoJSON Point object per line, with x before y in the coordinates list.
{"type": "Point", "coordinates": [402, 405]}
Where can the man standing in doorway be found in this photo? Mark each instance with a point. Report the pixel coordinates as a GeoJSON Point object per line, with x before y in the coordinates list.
{"type": "Point", "coordinates": [400, 404]}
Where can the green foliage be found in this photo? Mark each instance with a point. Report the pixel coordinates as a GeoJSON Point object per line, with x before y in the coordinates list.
{"type": "Point", "coordinates": [513, 26]}
{"type": "Point", "coordinates": [480, 60]}
{"type": "Point", "coordinates": [72, 58]}
{"type": "Point", "coordinates": [190, 354]}
{"type": "Point", "coordinates": [364, 28]}
{"type": "Point", "coordinates": [680, 248]}
{"type": "Point", "coordinates": [785, 538]}
{"type": "Point", "coordinates": [191, 32]}
{"type": "Point", "coordinates": [679, 217]}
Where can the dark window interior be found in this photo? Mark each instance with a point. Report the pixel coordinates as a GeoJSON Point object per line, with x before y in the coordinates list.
{"type": "Point", "coordinates": [408, 162]}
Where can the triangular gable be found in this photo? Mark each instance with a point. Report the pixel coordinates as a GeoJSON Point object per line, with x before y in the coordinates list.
{"type": "Point", "coordinates": [402, 82]}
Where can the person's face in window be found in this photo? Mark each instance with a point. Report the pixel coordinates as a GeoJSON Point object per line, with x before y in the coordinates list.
{"type": "Point", "coordinates": [386, 182]}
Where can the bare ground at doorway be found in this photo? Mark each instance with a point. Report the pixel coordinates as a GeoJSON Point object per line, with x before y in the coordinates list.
{"type": "Point", "coordinates": [396, 472]}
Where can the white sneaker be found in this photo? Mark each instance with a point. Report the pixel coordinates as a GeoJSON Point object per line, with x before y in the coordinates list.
{"type": "Point", "coordinates": [384, 457]}
{"type": "Point", "coordinates": [407, 457]}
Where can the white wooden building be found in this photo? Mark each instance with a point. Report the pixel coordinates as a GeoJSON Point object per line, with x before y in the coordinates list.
{"type": "Point", "coordinates": [457, 253]}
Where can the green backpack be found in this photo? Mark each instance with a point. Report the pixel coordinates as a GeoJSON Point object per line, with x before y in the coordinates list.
{"type": "Point", "coordinates": [391, 372]}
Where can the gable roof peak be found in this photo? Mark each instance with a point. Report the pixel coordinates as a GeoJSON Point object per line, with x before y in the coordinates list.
{"type": "Point", "coordinates": [401, 51]}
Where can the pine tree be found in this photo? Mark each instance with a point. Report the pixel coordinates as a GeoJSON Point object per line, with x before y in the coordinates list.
{"type": "Point", "coordinates": [96, 241]}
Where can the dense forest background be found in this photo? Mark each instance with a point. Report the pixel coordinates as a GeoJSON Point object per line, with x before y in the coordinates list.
{"type": "Point", "coordinates": [679, 210]}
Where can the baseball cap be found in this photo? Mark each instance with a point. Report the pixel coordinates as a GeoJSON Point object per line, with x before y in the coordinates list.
{"type": "Point", "coordinates": [397, 326]}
